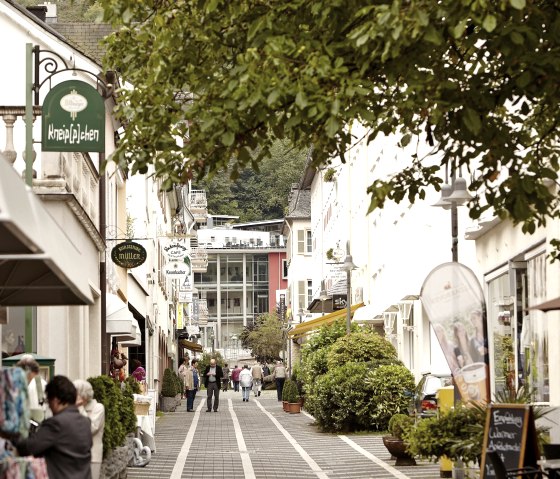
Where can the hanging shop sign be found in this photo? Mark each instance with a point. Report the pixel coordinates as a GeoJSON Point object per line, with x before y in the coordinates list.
{"type": "Point", "coordinates": [185, 296]}
{"type": "Point", "coordinates": [177, 270]}
{"type": "Point", "coordinates": [73, 118]}
{"type": "Point", "coordinates": [128, 255]}
{"type": "Point", "coordinates": [180, 316]}
{"type": "Point", "coordinates": [176, 250]}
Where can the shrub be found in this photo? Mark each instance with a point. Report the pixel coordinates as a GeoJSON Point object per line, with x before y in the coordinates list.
{"type": "Point", "coordinates": [119, 411]}
{"type": "Point", "coordinates": [399, 424]}
{"type": "Point", "coordinates": [314, 366]}
{"type": "Point", "coordinates": [325, 336]}
{"type": "Point", "coordinates": [342, 400]}
{"type": "Point", "coordinates": [364, 346]}
{"type": "Point", "coordinates": [134, 384]}
{"type": "Point", "coordinates": [450, 434]}
{"type": "Point", "coordinates": [297, 377]}
{"type": "Point", "coordinates": [179, 384]}
{"type": "Point", "coordinates": [391, 386]}
{"type": "Point", "coordinates": [169, 385]}
{"type": "Point", "coordinates": [290, 391]}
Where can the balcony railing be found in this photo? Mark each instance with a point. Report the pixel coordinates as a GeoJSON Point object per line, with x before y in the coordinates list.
{"type": "Point", "coordinates": [197, 200]}
{"type": "Point", "coordinates": [199, 260]}
{"type": "Point", "coordinates": [60, 173]}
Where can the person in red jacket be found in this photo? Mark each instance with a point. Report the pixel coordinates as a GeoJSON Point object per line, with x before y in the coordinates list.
{"type": "Point", "coordinates": [235, 377]}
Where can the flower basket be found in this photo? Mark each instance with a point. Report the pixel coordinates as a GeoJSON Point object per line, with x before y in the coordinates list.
{"type": "Point", "coordinates": [141, 408]}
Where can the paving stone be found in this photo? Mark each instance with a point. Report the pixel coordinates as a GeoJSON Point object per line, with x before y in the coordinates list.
{"type": "Point", "coordinates": [214, 452]}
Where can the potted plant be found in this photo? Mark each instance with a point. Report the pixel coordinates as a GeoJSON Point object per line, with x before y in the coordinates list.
{"type": "Point", "coordinates": [168, 391]}
{"type": "Point", "coordinates": [399, 425]}
{"type": "Point", "coordinates": [285, 393]}
{"type": "Point", "coordinates": [292, 396]}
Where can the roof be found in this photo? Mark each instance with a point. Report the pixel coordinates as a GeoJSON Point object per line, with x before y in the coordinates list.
{"type": "Point", "coordinates": [299, 203]}
{"type": "Point", "coordinates": [48, 28]}
{"type": "Point", "coordinates": [86, 36]}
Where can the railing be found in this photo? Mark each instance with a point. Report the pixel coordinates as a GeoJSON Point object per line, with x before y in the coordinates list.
{"type": "Point", "coordinates": [60, 173]}
{"type": "Point", "coordinates": [199, 260]}
{"type": "Point", "coordinates": [197, 200]}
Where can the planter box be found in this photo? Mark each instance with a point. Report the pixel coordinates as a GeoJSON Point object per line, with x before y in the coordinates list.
{"type": "Point", "coordinates": [397, 448]}
{"type": "Point", "coordinates": [168, 404]}
{"type": "Point", "coordinates": [114, 465]}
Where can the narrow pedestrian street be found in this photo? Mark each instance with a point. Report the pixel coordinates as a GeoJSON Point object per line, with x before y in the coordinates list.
{"type": "Point", "coordinates": [259, 440]}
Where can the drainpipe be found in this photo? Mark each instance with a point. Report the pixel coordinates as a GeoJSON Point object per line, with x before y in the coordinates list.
{"type": "Point", "coordinates": [105, 347]}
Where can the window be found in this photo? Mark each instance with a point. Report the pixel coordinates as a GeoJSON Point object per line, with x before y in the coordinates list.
{"type": "Point", "coordinates": [309, 292]}
{"type": "Point", "coordinates": [302, 295]}
{"type": "Point", "coordinates": [304, 242]}
{"type": "Point", "coordinates": [284, 269]}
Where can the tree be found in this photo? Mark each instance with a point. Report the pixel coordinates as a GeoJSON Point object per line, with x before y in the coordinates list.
{"type": "Point", "coordinates": [476, 79]}
{"type": "Point", "coordinates": [265, 339]}
{"type": "Point", "coordinates": [256, 195]}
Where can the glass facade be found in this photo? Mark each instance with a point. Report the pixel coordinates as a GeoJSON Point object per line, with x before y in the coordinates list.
{"type": "Point", "coordinates": [519, 356]}
{"type": "Point", "coordinates": [235, 287]}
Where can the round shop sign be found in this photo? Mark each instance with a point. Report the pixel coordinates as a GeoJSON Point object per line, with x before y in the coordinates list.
{"type": "Point", "coordinates": [128, 255]}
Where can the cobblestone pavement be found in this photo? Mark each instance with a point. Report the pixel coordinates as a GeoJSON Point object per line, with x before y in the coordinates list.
{"type": "Point", "coordinates": [257, 440]}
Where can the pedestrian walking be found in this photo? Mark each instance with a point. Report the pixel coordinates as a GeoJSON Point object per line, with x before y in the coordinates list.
{"type": "Point", "coordinates": [213, 375]}
{"type": "Point", "coordinates": [225, 379]}
{"type": "Point", "coordinates": [183, 368]}
{"type": "Point", "coordinates": [257, 374]}
{"type": "Point", "coordinates": [192, 383]}
{"type": "Point", "coordinates": [279, 375]}
{"type": "Point", "coordinates": [246, 381]}
{"type": "Point", "coordinates": [64, 439]}
{"type": "Point", "coordinates": [235, 377]}
{"type": "Point", "coordinates": [139, 372]}
{"type": "Point", "coordinates": [265, 369]}
{"type": "Point", "coordinates": [95, 411]}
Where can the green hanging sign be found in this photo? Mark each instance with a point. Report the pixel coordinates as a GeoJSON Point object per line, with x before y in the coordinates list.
{"type": "Point", "coordinates": [73, 118]}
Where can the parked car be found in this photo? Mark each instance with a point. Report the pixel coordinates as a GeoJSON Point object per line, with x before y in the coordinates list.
{"type": "Point", "coordinates": [425, 402]}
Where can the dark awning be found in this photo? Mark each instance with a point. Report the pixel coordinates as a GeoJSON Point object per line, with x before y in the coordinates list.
{"type": "Point", "coordinates": [39, 265]}
{"type": "Point", "coordinates": [195, 347]}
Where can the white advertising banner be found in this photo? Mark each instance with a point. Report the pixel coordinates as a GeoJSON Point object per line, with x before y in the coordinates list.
{"type": "Point", "coordinates": [454, 302]}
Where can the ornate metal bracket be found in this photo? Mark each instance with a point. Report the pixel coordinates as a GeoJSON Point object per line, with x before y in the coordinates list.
{"type": "Point", "coordinates": [55, 64]}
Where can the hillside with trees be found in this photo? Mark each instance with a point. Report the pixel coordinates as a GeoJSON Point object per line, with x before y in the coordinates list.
{"type": "Point", "coordinates": [256, 195]}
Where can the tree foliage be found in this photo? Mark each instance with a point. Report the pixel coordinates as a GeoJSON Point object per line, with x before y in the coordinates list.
{"type": "Point", "coordinates": [265, 339]}
{"type": "Point", "coordinates": [476, 79]}
{"type": "Point", "coordinates": [256, 195]}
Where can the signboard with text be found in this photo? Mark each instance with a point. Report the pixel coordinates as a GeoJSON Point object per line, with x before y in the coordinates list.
{"type": "Point", "coordinates": [73, 118]}
{"type": "Point", "coordinates": [510, 432]}
{"type": "Point", "coordinates": [128, 255]}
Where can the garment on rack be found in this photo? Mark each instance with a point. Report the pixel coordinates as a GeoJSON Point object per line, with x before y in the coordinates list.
{"type": "Point", "coordinates": [28, 467]}
{"type": "Point", "coordinates": [15, 402]}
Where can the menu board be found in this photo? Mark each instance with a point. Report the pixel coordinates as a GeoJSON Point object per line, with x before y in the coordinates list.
{"type": "Point", "coordinates": [510, 431]}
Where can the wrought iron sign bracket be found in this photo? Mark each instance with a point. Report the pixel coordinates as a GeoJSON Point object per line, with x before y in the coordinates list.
{"type": "Point", "coordinates": [55, 64]}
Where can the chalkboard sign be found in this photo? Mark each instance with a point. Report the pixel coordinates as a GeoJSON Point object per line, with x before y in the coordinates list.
{"type": "Point", "coordinates": [510, 431]}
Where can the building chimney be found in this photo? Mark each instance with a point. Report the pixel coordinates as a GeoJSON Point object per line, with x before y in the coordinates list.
{"type": "Point", "coordinates": [39, 11]}
{"type": "Point", "coordinates": [51, 11]}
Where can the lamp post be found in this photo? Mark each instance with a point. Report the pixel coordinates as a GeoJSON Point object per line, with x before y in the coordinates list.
{"type": "Point", "coordinates": [212, 338]}
{"type": "Point", "coordinates": [348, 266]}
{"type": "Point", "coordinates": [454, 195]}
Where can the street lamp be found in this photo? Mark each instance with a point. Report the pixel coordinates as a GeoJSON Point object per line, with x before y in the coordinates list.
{"type": "Point", "coordinates": [452, 196]}
{"type": "Point", "coordinates": [323, 296]}
{"type": "Point", "coordinates": [212, 338]}
{"type": "Point", "coordinates": [348, 266]}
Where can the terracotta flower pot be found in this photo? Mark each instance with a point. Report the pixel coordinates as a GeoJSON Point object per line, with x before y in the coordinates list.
{"type": "Point", "coordinates": [294, 408]}
{"type": "Point", "coordinates": [285, 406]}
{"type": "Point", "coordinates": [397, 448]}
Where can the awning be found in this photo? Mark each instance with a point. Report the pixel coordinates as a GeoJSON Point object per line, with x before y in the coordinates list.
{"type": "Point", "coordinates": [120, 321]}
{"type": "Point", "coordinates": [195, 347]}
{"type": "Point", "coordinates": [137, 341]}
{"type": "Point", "coordinates": [305, 328]}
{"type": "Point", "coordinates": [552, 305]}
{"type": "Point", "coordinates": [39, 265]}
{"type": "Point", "coordinates": [368, 315]}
